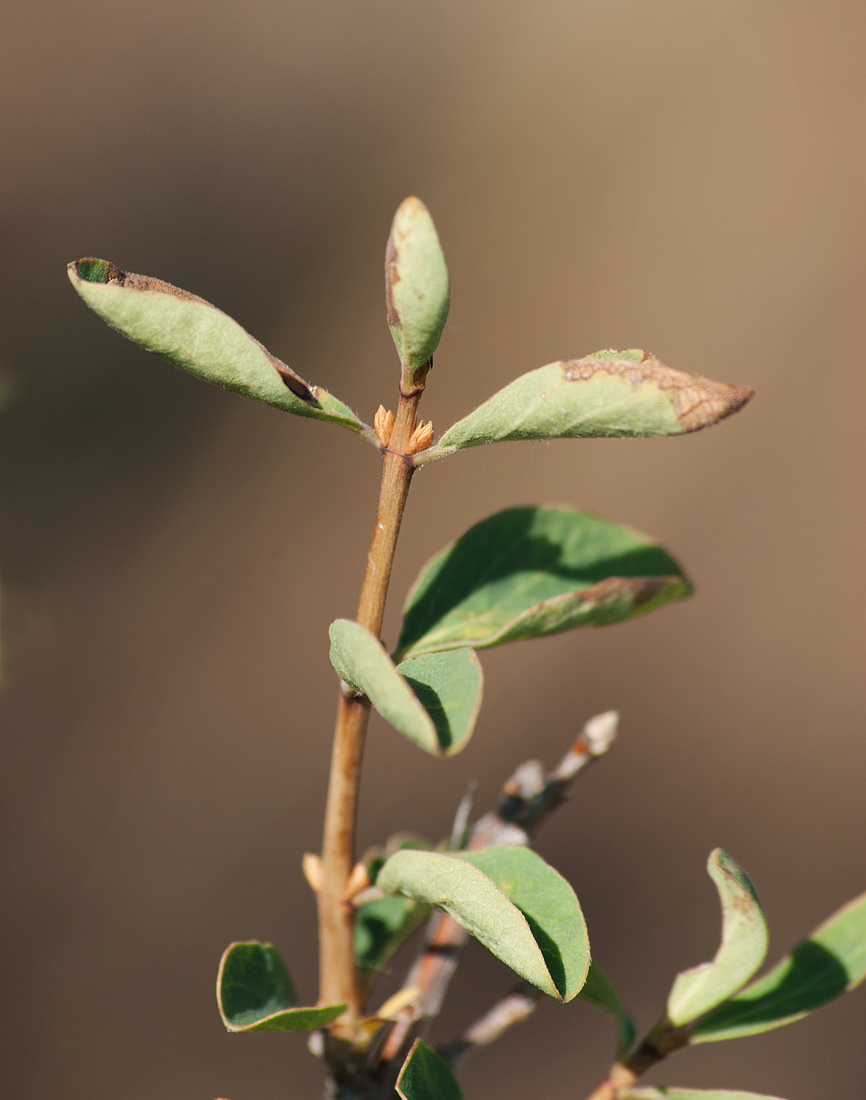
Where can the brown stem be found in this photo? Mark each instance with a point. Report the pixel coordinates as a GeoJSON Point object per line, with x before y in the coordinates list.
{"type": "Point", "coordinates": [338, 981]}
{"type": "Point", "coordinates": [663, 1040]}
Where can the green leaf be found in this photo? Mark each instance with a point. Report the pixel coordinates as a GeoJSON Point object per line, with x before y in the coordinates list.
{"type": "Point", "coordinates": [511, 901]}
{"type": "Point", "coordinates": [611, 393]}
{"type": "Point", "coordinates": [255, 993]}
{"type": "Point", "coordinates": [197, 337]}
{"type": "Point", "coordinates": [599, 992]}
{"type": "Point", "coordinates": [830, 962]}
{"type": "Point", "coordinates": [690, 1094]}
{"type": "Point", "coordinates": [433, 700]}
{"type": "Point", "coordinates": [416, 287]}
{"type": "Point", "coordinates": [381, 926]}
{"type": "Point", "coordinates": [741, 952]}
{"type": "Point", "coordinates": [425, 1076]}
{"type": "Point", "coordinates": [550, 906]}
{"type": "Point", "coordinates": [530, 571]}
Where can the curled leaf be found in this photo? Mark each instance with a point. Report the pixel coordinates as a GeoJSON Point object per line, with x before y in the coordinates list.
{"type": "Point", "coordinates": [199, 338]}
{"type": "Point", "coordinates": [432, 699]}
{"type": "Point", "coordinates": [741, 952]}
{"type": "Point", "coordinates": [255, 993]}
{"type": "Point", "coordinates": [832, 961]}
{"type": "Point", "coordinates": [511, 901]}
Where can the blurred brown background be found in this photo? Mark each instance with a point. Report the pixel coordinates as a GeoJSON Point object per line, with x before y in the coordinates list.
{"type": "Point", "coordinates": [681, 176]}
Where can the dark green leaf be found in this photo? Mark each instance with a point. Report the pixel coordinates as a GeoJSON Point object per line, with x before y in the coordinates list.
{"type": "Point", "coordinates": [381, 926]}
{"type": "Point", "coordinates": [197, 337]}
{"type": "Point", "coordinates": [611, 393]}
{"type": "Point", "coordinates": [425, 1076]}
{"type": "Point", "coordinates": [830, 962]}
{"type": "Point", "coordinates": [524, 941]}
{"type": "Point", "coordinates": [599, 992]}
{"type": "Point", "coordinates": [531, 571]}
{"type": "Point", "coordinates": [255, 993]}
{"type": "Point", "coordinates": [432, 699]}
{"type": "Point", "coordinates": [741, 952]}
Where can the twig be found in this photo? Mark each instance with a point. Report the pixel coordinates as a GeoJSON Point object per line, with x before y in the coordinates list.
{"type": "Point", "coordinates": [338, 982]}
{"type": "Point", "coordinates": [513, 1009]}
{"type": "Point", "coordinates": [527, 799]}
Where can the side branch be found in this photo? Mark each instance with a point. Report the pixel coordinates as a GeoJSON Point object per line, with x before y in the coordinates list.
{"type": "Point", "coordinates": [527, 799]}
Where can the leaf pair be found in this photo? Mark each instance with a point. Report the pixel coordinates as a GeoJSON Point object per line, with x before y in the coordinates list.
{"type": "Point", "coordinates": [511, 901]}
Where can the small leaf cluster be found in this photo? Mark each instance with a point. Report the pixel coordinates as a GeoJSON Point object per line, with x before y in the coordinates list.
{"type": "Point", "coordinates": [522, 573]}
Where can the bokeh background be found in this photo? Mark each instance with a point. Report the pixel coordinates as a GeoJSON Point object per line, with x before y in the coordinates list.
{"type": "Point", "coordinates": [669, 174]}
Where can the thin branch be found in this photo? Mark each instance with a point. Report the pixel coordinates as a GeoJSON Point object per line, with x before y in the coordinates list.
{"type": "Point", "coordinates": [528, 797]}
{"type": "Point", "coordinates": [338, 982]}
{"type": "Point", "coordinates": [513, 1009]}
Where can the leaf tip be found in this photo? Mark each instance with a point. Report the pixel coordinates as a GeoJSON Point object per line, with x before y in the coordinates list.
{"type": "Point", "coordinates": [90, 269]}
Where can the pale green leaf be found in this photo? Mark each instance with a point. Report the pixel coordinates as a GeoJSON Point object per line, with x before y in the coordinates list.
{"type": "Point", "coordinates": [433, 700]}
{"type": "Point", "coordinates": [599, 992]}
{"type": "Point", "coordinates": [529, 571]}
{"type": "Point", "coordinates": [425, 1076]}
{"type": "Point", "coordinates": [550, 907]}
{"type": "Point", "coordinates": [830, 962]}
{"type": "Point", "coordinates": [612, 393]}
{"type": "Point", "coordinates": [416, 286]}
{"type": "Point", "coordinates": [255, 993]}
{"type": "Point", "coordinates": [523, 941]}
{"type": "Point", "coordinates": [741, 952]}
{"type": "Point", "coordinates": [199, 338]}
{"type": "Point", "coordinates": [691, 1094]}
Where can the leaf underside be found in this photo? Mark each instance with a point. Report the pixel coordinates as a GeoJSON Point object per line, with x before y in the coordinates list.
{"type": "Point", "coordinates": [530, 571]}
{"type": "Point", "coordinates": [540, 935]}
{"type": "Point", "coordinates": [194, 335]}
{"type": "Point", "coordinates": [741, 952]}
{"type": "Point", "coordinates": [611, 393]}
{"type": "Point", "coordinates": [832, 961]}
{"type": "Point", "coordinates": [433, 699]}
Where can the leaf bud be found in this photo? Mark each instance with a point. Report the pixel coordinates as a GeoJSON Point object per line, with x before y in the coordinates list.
{"type": "Point", "coordinates": [416, 290]}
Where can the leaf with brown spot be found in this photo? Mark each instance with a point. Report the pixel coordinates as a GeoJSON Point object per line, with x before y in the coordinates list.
{"type": "Point", "coordinates": [526, 572]}
{"type": "Point", "coordinates": [611, 393]}
{"type": "Point", "coordinates": [199, 338]}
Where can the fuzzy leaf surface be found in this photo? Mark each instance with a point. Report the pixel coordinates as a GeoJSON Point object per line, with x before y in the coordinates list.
{"type": "Point", "coordinates": [433, 699]}
{"type": "Point", "coordinates": [550, 906]}
{"type": "Point", "coordinates": [416, 285]}
{"type": "Point", "coordinates": [741, 952]}
{"type": "Point", "coordinates": [611, 393]}
{"type": "Point", "coordinates": [530, 571]}
{"type": "Point", "coordinates": [255, 993]}
{"type": "Point", "coordinates": [599, 992]}
{"type": "Point", "coordinates": [832, 961]}
{"type": "Point", "coordinates": [425, 1076]}
{"type": "Point", "coordinates": [199, 338]}
{"type": "Point", "coordinates": [522, 940]}
{"type": "Point", "coordinates": [691, 1094]}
